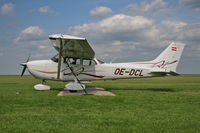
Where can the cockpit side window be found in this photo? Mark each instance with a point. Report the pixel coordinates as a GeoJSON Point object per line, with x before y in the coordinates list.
{"type": "Point", "coordinates": [77, 61]}
{"type": "Point", "coordinates": [73, 61]}
{"type": "Point", "coordinates": [86, 62]}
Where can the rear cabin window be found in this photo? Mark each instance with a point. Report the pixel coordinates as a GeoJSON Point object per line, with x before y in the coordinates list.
{"type": "Point", "coordinates": [89, 62]}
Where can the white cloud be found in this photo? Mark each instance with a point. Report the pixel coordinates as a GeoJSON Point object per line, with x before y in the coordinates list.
{"type": "Point", "coordinates": [7, 8]}
{"type": "Point", "coordinates": [153, 8]}
{"type": "Point", "coordinates": [191, 33]}
{"type": "Point", "coordinates": [116, 27]}
{"type": "Point", "coordinates": [46, 9]}
{"type": "Point", "coordinates": [171, 30]}
{"type": "Point", "coordinates": [117, 33]}
{"type": "Point", "coordinates": [34, 40]}
{"type": "Point", "coordinates": [193, 4]}
{"type": "Point", "coordinates": [180, 31]}
{"type": "Point", "coordinates": [32, 33]}
{"type": "Point", "coordinates": [42, 46]}
{"type": "Point", "coordinates": [101, 12]}
{"type": "Point", "coordinates": [122, 36]}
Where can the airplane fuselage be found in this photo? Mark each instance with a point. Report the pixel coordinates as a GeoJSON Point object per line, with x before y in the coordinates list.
{"type": "Point", "coordinates": [47, 70]}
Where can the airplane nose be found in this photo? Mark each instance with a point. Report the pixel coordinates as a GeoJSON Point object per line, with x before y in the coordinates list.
{"type": "Point", "coordinates": [23, 64]}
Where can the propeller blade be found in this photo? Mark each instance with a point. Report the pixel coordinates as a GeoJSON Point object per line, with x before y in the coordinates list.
{"type": "Point", "coordinates": [24, 66]}
{"type": "Point", "coordinates": [24, 69]}
{"type": "Point", "coordinates": [28, 58]}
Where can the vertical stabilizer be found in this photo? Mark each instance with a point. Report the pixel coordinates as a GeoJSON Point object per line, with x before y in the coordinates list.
{"type": "Point", "coordinates": [170, 57]}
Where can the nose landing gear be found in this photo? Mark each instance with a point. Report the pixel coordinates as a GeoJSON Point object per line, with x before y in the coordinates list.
{"type": "Point", "coordinates": [42, 86]}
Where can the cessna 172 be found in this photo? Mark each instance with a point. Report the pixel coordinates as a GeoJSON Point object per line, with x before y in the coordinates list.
{"type": "Point", "coordinates": [75, 62]}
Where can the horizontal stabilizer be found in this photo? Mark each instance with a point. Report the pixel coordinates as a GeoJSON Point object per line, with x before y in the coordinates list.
{"type": "Point", "coordinates": [173, 73]}
{"type": "Point", "coordinates": [160, 73]}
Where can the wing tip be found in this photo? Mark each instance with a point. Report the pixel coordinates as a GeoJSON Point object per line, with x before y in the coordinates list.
{"type": "Point", "coordinates": [55, 36]}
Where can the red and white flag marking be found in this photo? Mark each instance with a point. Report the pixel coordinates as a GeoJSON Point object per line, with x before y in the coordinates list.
{"type": "Point", "coordinates": [174, 48]}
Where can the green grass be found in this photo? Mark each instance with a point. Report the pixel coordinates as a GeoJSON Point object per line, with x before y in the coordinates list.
{"type": "Point", "coordinates": [147, 105]}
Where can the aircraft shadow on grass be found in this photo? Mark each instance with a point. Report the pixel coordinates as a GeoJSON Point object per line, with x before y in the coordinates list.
{"type": "Point", "coordinates": [139, 89]}
{"type": "Point", "coordinates": [57, 89]}
{"type": "Point", "coordinates": [133, 89]}
{"type": "Point", "coordinates": [147, 89]}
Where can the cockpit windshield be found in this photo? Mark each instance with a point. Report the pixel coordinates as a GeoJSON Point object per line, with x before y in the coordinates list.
{"type": "Point", "coordinates": [55, 58]}
{"type": "Point", "coordinates": [101, 62]}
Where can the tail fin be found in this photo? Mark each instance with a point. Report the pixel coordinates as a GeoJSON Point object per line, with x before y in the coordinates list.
{"type": "Point", "coordinates": [170, 57]}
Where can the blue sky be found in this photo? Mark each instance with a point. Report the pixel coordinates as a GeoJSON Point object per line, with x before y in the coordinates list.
{"type": "Point", "coordinates": [123, 30]}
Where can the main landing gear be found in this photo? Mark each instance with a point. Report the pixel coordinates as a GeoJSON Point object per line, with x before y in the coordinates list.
{"type": "Point", "coordinates": [75, 86]}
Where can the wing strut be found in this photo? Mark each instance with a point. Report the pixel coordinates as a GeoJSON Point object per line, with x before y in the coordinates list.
{"type": "Point", "coordinates": [59, 59]}
{"type": "Point", "coordinates": [76, 78]}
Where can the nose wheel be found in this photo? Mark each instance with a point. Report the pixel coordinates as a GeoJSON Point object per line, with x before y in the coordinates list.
{"type": "Point", "coordinates": [42, 86]}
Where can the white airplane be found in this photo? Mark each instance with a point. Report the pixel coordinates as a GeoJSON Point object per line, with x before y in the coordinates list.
{"type": "Point", "coordinates": [75, 62]}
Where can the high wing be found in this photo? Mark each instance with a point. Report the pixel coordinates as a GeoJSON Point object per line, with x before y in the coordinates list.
{"type": "Point", "coordinates": [72, 47]}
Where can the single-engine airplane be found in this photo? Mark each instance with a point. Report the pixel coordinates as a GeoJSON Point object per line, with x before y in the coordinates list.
{"type": "Point", "coordinates": [75, 62]}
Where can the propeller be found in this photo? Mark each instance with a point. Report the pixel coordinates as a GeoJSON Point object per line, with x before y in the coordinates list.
{"type": "Point", "coordinates": [25, 66]}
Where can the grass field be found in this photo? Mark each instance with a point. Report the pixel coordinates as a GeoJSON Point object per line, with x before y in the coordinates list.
{"type": "Point", "coordinates": [148, 105]}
